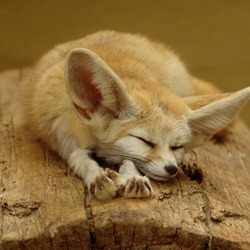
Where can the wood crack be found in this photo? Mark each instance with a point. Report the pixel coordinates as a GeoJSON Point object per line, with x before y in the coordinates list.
{"type": "Point", "coordinates": [21, 208]}
{"type": "Point", "coordinates": [90, 218]}
{"type": "Point", "coordinates": [207, 212]}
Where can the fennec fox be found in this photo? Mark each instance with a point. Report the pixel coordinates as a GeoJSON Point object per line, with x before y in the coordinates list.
{"type": "Point", "coordinates": [128, 100]}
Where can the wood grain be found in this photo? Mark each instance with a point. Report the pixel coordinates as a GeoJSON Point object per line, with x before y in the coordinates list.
{"type": "Point", "coordinates": [43, 206]}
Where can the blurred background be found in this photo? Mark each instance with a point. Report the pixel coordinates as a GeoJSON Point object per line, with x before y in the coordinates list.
{"type": "Point", "coordinates": [212, 37]}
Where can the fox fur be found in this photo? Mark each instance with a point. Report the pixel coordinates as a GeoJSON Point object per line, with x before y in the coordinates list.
{"type": "Point", "coordinates": [126, 99]}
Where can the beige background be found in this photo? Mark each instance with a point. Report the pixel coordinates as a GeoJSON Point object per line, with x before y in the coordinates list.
{"type": "Point", "coordinates": [212, 37]}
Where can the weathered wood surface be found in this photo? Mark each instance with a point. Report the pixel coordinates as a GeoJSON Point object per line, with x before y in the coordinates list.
{"type": "Point", "coordinates": [43, 206]}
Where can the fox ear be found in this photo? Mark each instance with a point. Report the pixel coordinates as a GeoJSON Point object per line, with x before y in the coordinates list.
{"type": "Point", "coordinates": [197, 102]}
{"type": "Point", "coordinates": [211, 118]}
{"type": "Point", "coordinates": [94, 87]}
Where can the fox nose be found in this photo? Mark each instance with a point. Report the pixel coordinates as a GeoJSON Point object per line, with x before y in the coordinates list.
{"type": "Point", "coordinates": [171, 170]}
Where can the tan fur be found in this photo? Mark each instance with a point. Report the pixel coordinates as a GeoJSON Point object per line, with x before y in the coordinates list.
{"type": "Point", "coordinates": [129, 100]}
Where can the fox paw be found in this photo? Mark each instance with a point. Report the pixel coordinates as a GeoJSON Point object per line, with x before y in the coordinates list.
{"type": "Point", "coordinates": [106, 185]}
{"type": "Point", "coordinates": [138, 187]}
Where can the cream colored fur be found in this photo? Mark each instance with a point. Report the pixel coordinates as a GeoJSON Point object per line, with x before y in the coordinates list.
{"type": "Point", "coordinates": [127, 99]}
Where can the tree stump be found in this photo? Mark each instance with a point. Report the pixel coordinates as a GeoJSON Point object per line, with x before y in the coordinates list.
{"type": "Point", "coordinates": [44, 206]}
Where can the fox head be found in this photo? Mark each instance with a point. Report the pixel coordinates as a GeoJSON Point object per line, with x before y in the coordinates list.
{"type": "Point", "coordinates": [148, 125]}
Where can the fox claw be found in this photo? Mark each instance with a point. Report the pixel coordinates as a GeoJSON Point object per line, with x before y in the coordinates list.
{"type": "Point", "coordinates": [138, 187]}
{"type": "Point", "coordinates": [118, 180]}
{"type": "Point", "coordinates": [120, 191]}
{"type": "Point", "coordinates": [111, 174]}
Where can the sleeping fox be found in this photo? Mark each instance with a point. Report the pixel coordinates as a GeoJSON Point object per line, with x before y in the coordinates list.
{"type": "Point", "coordinates": [128, 100]}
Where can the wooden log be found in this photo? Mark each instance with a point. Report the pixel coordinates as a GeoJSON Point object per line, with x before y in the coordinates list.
{"type": "Point", "coordinates": [43, 206]}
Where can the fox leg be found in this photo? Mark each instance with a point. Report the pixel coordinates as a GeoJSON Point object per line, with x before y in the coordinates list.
{"type": "Point", "coordinates": [136, 186]}
{"type": "Point", "coordinates": [101, 183]}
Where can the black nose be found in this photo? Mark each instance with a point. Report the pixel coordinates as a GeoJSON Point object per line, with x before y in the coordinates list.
{"type": "Point", "coordinates": [171, 169]}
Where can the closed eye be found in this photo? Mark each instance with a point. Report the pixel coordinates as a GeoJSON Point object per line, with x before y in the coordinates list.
{"type": "Point", "coordinates": [149, 143]}
{"type": "Point", "coordinates": [176, 147]}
